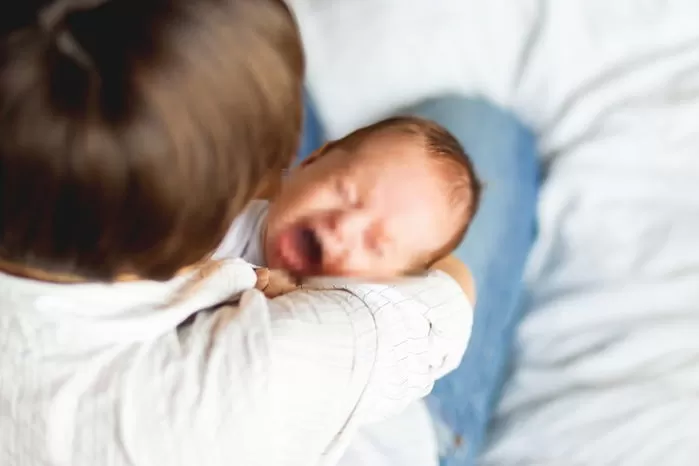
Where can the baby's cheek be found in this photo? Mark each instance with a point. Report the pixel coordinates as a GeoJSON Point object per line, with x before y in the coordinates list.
{"type": "Point", "coordinates": [409, 265]}
{"type": "Point", "coordinates": [383, 268]}
{"type": "Point", "coordinates": [353, 264]}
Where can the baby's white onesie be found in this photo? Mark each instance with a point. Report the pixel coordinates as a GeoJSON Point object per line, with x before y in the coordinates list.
{"type": "Point", "coordinates": [245, 237]}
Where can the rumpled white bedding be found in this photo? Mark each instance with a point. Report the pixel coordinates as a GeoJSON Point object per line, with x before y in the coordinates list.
{"type": "Point", "coordinates": [607, 371]}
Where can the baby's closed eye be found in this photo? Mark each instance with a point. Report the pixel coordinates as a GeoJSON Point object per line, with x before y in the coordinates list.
{"type": "Point", "coordinates": [346, 190]}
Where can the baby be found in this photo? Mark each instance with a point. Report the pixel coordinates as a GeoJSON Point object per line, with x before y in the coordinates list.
{"type": "Point", "coordinates": [387, 200]}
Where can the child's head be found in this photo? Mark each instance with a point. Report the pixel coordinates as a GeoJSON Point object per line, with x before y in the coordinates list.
{"type": "Point", "coordinates": [388, 199]}
{"type": "Point", "coordinates": [128, 126]}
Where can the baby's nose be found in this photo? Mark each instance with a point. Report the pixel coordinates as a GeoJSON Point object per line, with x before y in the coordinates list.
{"type": "Point", "coordinates": [350, 226]}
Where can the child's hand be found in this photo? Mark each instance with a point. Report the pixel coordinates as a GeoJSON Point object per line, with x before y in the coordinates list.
{"type": "Point", "coordinates": [274, 283]}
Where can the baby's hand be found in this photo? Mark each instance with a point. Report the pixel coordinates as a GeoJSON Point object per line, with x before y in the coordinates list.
{"type": "Point", "coordinates": [274, 283]}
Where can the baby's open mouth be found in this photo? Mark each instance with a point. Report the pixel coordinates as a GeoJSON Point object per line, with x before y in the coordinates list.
{"type": "Point", "coordinates": [311, 246]}
{"type": "Point", "coordinates": [300, 250]}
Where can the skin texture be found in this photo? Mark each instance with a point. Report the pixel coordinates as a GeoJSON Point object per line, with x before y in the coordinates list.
{"type": "Point", "coordinates": [375, 212]}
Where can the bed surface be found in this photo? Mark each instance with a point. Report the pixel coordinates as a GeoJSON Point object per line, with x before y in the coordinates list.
{"type": "Point", "coordinates": [607, 370]}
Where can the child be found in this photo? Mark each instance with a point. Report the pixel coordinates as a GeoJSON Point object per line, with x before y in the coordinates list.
{"type": "Point", "coordinates": [386, 200]}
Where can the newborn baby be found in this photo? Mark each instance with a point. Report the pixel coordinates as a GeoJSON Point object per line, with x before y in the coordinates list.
{"type": "Point", "coordinates": [387, 200]}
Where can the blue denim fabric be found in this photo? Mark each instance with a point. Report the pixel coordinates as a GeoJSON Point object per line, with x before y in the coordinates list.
{"type": "Point", "coordinates": [498, 242]}
{"type": "Point", "coordinates": [313, 135]}
{"type": "Point", "coordinates": [505, 156]}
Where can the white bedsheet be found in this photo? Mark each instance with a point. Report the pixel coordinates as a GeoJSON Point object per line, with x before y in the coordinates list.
{"type": "Point", "coordinates": [608, 366]}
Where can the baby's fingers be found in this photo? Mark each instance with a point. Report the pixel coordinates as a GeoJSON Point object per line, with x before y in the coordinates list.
{"type": "Point", "coordinates": [262, 278]}
{"type": "Point", "coordinates": [279, 283]}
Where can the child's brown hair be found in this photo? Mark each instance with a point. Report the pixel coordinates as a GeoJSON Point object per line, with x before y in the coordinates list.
{"type": "Point", "coordinates": [132, 132]}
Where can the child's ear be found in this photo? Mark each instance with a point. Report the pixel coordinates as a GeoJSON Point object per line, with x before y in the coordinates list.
{"type": "Point", "coordinates": [314, 156]}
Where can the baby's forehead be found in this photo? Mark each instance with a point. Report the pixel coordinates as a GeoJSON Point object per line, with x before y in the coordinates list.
{"type": "Point", "coordinates": [406, 157]}
{"type": "Point", "coordinates": [397, 159]}
{"type": "Point", "coordinates": [390, 148]}
{"type": "Point", "coordinates": [423, 167]}
{"type": "Point", "coordinates": [396, 169]}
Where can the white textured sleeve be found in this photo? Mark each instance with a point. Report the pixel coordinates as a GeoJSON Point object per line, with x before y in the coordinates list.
{"type": "Point", "coordinates": [388, 342]}
{"type": "Point", "coordinates": [422, 328]}
{"type": "Point", "coordinates": [270, 380]}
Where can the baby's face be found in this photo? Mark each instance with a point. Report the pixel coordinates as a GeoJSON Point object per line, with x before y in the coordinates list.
{"type": "Point", "coordinates": [376, 212]}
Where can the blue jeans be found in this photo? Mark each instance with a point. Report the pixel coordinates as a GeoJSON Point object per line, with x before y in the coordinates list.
{"type": "Point", "coordinates": [496, 248]}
